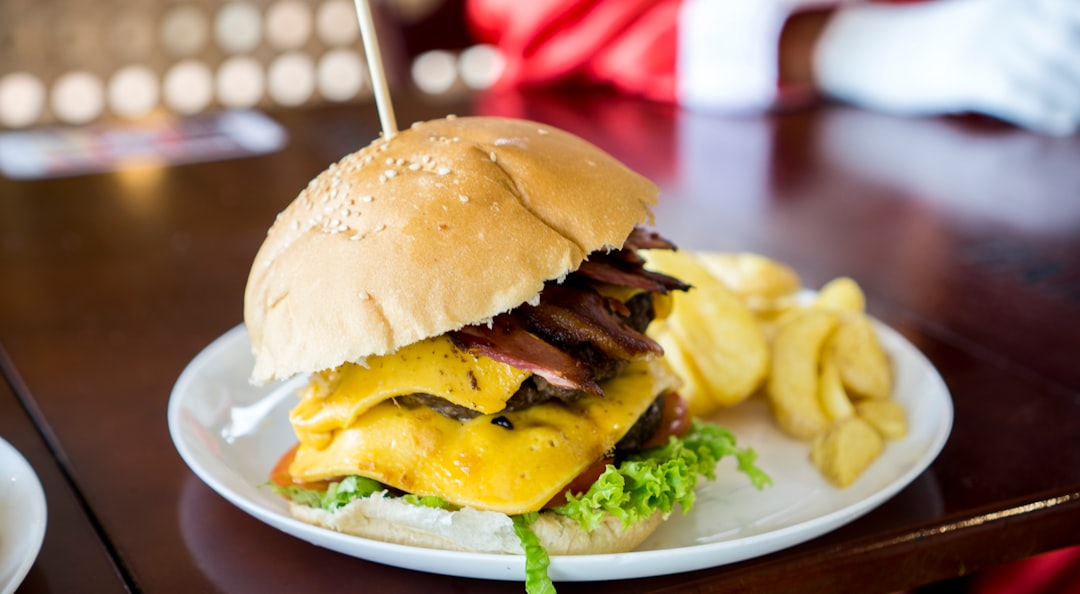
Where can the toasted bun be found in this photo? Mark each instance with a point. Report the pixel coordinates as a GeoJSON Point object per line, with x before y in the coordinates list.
{"type": "Point", "coordinates": [449, 223]}
{"type": "Point", "coordinates": [393, 520]}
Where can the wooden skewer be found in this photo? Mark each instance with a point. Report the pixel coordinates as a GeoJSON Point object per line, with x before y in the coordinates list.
{"type": "Point", "coordinates": [375, 67]}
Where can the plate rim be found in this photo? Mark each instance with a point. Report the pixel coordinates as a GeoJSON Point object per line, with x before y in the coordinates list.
{"type": "Point", "coordinates": [31, 527]}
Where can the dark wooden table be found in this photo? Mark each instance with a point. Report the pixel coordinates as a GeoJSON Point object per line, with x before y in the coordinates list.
{"type": "Point", "coordinates": [964, 234]}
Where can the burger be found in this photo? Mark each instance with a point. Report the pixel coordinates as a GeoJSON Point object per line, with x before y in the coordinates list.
{"type": "Point", "coordinates": [468, 300]}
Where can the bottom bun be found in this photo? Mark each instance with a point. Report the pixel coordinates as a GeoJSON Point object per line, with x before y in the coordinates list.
{"type": "Point", "coordinates": [393, 520]}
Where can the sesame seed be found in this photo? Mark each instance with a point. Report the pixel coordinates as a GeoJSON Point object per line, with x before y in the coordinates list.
{"type": "Point", "coordinates": [443, 170]}
{"type": "Point", "coordinates": [367, 198]}
{"type": "Point", "coordinates": [389, 173]}
{"type": "Point", "coordinates": [414, 166]}
{"type": "Point", "coordinates": [541, 131]}
{"type": "Point", "coordinates": [492, 156]}
{"type": "Point", "coordinates": [463, 198]}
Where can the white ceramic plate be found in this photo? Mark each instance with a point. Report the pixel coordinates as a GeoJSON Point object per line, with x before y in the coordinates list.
{"type": "Point", "coordinates": [22, 517]}
{"type": "Point", "coordinates": [231, 434]}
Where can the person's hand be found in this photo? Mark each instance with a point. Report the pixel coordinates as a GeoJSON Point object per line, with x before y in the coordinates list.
{"type": "Point", "coordinates": [1017, 60]}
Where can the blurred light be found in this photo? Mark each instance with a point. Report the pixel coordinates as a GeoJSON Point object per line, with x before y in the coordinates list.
{"type": "Point", "coordinates": [22, 99]}
{"type": "Point", "coordinates": [480, 66]}
{"type": "Point", "coordinates": [336, 23]}
{"type": "Point", "coordinates": [78, 97]}
{"type": "Point", "coordinates": [288, 24]}
{"type": "Point", "coordinates": [133, 91]}
{"type": "Point", "coordinates": [188, 87]}
{"type": "Point", "coordinates": [240, 82]}
{"type": "Point", "coordinates": [184, 30]}
{"type": "Point", "coordinates": [341, 74]}
{"type": "Point", "coordinates": [238, 27]}
{"type": "Point", "coordinates": [434, 71]}
{"type": "Point", "coordinates": [292, 79]}
{"type": "Point", "coordinates": [139, 180]}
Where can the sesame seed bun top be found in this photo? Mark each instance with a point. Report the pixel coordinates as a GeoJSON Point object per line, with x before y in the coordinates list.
{"type": "Point", "coordinates": [448, 223]}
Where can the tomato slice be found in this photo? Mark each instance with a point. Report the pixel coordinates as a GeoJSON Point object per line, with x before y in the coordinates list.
{"type": "Point", "coordinates": [581, 483]}
{"type": "Point", "coordinates": [281, 477]}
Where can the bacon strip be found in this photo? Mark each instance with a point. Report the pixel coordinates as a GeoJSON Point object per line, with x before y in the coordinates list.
{"type": "Point", "coordinates": [643, 239]}
{"type": "Point", "coordinates": [573, 320]}
{"type": "Point", "coordinates": [507, 341]}
{"type": "Point", "coordinates": [618, 271]}
{"type": "Point", "coordinates": [571, 314]}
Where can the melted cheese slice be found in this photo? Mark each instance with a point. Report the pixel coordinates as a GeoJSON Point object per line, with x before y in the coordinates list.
{"type": "Point", "coordinates": [478, 463]}
{"type": "Point", "coordinates": [434, 366]}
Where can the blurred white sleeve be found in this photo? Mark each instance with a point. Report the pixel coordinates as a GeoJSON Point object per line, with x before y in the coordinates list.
{"type": "Point", "coordinates": [1017, 60]}
{"type": "Point", "coordinates": [729, 50]}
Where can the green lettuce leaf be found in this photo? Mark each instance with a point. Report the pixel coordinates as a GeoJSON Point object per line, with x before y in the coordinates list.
{"type": "Point", "coordinates": [659, 478]}
{"type": "Point", "coordinates": [341, 493]}
{"type": "Point", "coordinates": [537, 580]}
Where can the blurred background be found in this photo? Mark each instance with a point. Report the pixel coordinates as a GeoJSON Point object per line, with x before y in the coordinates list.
{"type": "Point", "coordinates": [88, 61]}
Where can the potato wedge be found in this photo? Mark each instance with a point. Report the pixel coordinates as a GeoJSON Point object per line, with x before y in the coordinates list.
{"type": "Point", "coordinates": [841, 294]}
{"type": "Point", "coordinates": [694, 390]}
{"type": "Point", "coordinates": [844, 451]}
{"type": "Point", "coordinates": [715, 330]}
{"type": "Point", "coordinates": [863, 365]}
{"type": "Point", "coordinates": [887, 416]}
{"type": "Point", "coordinates": [748, 274]}
{"type": "Point", "coordinates": [768, 287]}
{"type": "Point", "coordinates": [792, 386]}
{"type": "Point", "coordinates": [831, 393]}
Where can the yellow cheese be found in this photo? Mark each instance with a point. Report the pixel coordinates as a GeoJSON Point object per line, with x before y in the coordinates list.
{"type": "Point", "coordinates": [434, 366]}
{"type": "Point", "coordinates": [621, 293]}
{"type": "Point", "coordinates": [661, 301]}
{"type": "Point", "coordinates": [478, 463]}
